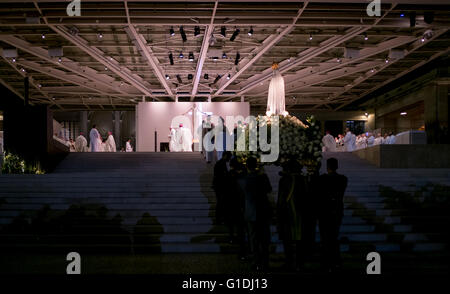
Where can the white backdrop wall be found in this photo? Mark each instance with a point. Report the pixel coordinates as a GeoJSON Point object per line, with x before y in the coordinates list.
{"type": "Point", "coordinates": [158, 116]}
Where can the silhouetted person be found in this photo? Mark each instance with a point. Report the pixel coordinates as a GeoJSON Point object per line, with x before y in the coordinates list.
{"type": "Point", "coordinates": [331, 212]}
{"type": "Point", "coordinates": [235, 203]}
{"type": "Point", "coordinates": [258, 213]}
{"type": "Point", "coordinates": [220, 185]}
{"type": "Point", "coordinates": [289, 219]}
{"type": "Point", "coordinates": [308, 208]}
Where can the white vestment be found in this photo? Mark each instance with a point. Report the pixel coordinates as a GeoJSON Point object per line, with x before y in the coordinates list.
{"type": "Point", "coordinates": [128, 147]}
{"type": "Point", "coordinates": [173, 143]}
{"type": "Point", "coordinates": [110, 144]}
{"type": "Point", "coordinates": [185, 139]}
{"type": "Point", "coordinates": [94, 136]}
{"type": "Point", "coordinates": [370, 141]}
{"type": "Point", "coordinates": [329, 143]}
{"type": "Point", "coordinates": [353, 142]}
{"type": "Point", "coordinates": [80, 144]}
{"type": "Point", "coordinates": [348, 141]}
{"type": "Point", "coordinates": [378, 141]}
{"type": "Point", "coordinates": [392, 139]}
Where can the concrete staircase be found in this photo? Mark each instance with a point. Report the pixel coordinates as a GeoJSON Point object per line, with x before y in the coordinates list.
{"type": "Point", "coordinates": [163, 202]}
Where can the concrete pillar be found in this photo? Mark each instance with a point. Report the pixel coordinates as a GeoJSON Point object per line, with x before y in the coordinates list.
{"type": "Point", "coordinates": [84, 123]}
{"type": "Point", "coordinates": [436, 113]}
{"type": "Point", "coordinates": [117, 129]}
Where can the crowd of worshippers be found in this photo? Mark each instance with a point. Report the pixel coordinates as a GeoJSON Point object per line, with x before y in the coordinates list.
{"type": "Point", "coordinates": [96, 143]}
{"type": "Point", "coordinates": [351, 142]}
{"type": "Point", "coordinates": [304, 201]}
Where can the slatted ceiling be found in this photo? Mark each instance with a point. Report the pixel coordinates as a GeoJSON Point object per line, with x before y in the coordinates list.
{"type": "Point", "coordinates": [116, 42]}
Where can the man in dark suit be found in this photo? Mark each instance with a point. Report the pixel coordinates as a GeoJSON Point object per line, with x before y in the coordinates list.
{"type": "Point", "coordinates": [220, 185]}
{"type": "Point", "coordinates": [331, 212]}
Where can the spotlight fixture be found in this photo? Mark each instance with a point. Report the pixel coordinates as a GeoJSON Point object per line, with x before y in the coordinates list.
{"type": "Point", "coordinates": [228, 76]}
{"type": "Point", "coordinates": [310, 37]}
{"type": "Point", "coordinates": [366, 114]}
{"type": "Point", "coordinates": [22, 69]}
{"type": "Point", "coordinates": [189, 76]}
{"type": "Point", "coordinates": [39, 86]}
{"type": "Point", "coordinates": [13, 60]}
{"type": "Point", "coordinates": [402, 14]}
{"type": "Point", "coordinates": [191, 56]}
{"type": "Point", "coordinates": [338, 60]}
{"type": "Point", "coordinates": [43, 36]}
{"type": "Point", "coordinates": [59, 59]}
{"type": "Point", "coordinates": [372, 70]}
{"type": "Point", "coordinates": [224, 55]}
{"type": "Point", "coordinates": [179, 79]}
{"type": "Point", "coordinates": [196, 31]}
{"type": "Point", "coordinates": [181, 55]}
{"type": "Point", "coordinates": [366, 37]}
{"type": "Point", "coordinates": [423, 39]}
{"type": "Point", "coordinates": [403, 113]}
{"type": "Point", "coordinates": [167, 77]}
{"type": "Point", "coordinates": [121, 84]}
{"type": "Point", "coordinates": [250, 33]}
{"type": "Point", "coordinates": [293, 97]}
{"type": "Point", "coordinates": [100, 35]}
{"type": "Point", "coordinates": [235, 34]}
{"type": "Point", "coordinates": [238, 56]}
{"type": "Point", "coordinates": [412, 19]}
{"type": "Point", "coordinates": [206, 76]}
{"type": "Point", "coordinates": [215, 58]}
{"type": "Point", "coordinates": [172, 32]}
{"type": "Point", "coordinates": [183, 34]}
{"type": "Point", "coordinates": [386, 60]}
{"type": "Point", "coordinates": [106, 68]}
{"type": "Point", "coordinates": [223, 31]}
{"type": "Point", "coordinates": [217, 79]}
{"type": "Point", "coordinates": [171, 58]}
{"type": "Point", "coordinates": [428, 17]}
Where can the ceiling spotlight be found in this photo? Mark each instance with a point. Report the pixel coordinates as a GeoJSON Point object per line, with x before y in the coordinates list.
{"type": "Point", "coordinates": [43, 36]}
{"type": "Point", "coordinates": [106, 68]}
{"type": "Point", "coordinates": [228, 76]}
{"type": "Point", "coordinates": [39, 85]}
{"type": "Point", "coordinates": [310, 37]}
{"type": "Point", "coordinates": [402, 14]}
{"type": "Point", "coordinates": [250, 33]}
{"type": "Point", "coordinates": [172, 32]}
{"type": "Point", "coordinates": [171, 58]}
{"type": "Point", "coordinates": [59, 59]}
{"type": "Point", "coordinates": [293, 97]}
{"type": "Point", "coordinates": [189, 76]}
{"type": "Point", "coordinates": [372, 70]}
{"type": "Point", "coordinates": [386, 60]}
{"type": "Point", "coordinates": [196, 31]}
{"type": "Point", "coordinates": [215, 58]}
{"type": "Point", "coordinates": [403, 113]}
{"type": "Point", "coordinates": [223, 31]}
{"type": "Point", "coordinates": [121, 84]}
{"type": "Point", "coordinates": [167, 77]}
{"type": "Point", "coordinates": [179, 79]}
{"type": "Point", "coordinates": [338, 60]}
{"type": "Point", "coordinates": [22, 69]}
{"type": "Point", "coordinates": [366, 37]}
{"type": "Point", "coordinates": [206, 76]}
{"type": "Point", "coordinates": [224, 55]}
{"type": "Point", "coordinates": [183, 34]}
{"type": "Point", "coordinates": [181, 55]}
{"type": "Point", "coordinates": [412, 19]}
{"type": "Point", "coordinates": [100, 35]}
{"type": "Point", "coordinates": [13, 60]}
{"type": "Point", "coordinates": [235, 34]}
{"type": "Point", "coordinates": [217, 79]}
{"type": "Point", "coordinates": [423, 39]}
{"type": "Point", "coordinates": [238, 56]}
{"type": "Point", "coordinates": [191, 56]}
{"type": "Point", "coordinates": [366, 114]}
{"type": "Point", "coordinates": [428, 17]}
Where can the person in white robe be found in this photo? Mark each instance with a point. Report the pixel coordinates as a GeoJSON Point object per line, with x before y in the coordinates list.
{"type": "Point", "coordinates": [128, 147]}
{"type": "Point", "coordinates": [378, 140]}
{"type": "Point", "coordinates": [185, 139]}
{"type": "Point", "coordinates": [348, 140]}
{"type": "Point", "coordinates": [81, 144]}
{"type": "Point", "coordinates": [95, 139]}
{"type": "Point", "coordinates": [173, 145]}
{"type": "Point", "coordinates": [110, 143]}
{"type": "Point", "coordinates": [363, 141]}
{"type": "Point", "coordinates": [329, 143]}
{"type": "Point", "coordinates": [391, 139]}
{"type": "Point", "coordinates": [370, 140]}
{"type": "Point", "coordinates": [353, 142]}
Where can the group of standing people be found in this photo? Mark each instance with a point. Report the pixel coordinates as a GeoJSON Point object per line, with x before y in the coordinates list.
{"type": "Point", "coordinates": [180, 139]}
{"type": "Point", "coordinates": [97, 144]}
{"type": "Point", "coordinates": [351, 142]}
{"type": "Point", "coordinates": [304, 200]}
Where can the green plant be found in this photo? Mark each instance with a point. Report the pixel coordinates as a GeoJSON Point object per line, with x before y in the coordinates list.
{"type": "Point", "coordinates": [13, 164]}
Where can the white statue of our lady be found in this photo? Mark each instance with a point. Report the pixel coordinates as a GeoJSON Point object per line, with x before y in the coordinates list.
{"type": "Point", "coordinates": [276, 99]}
